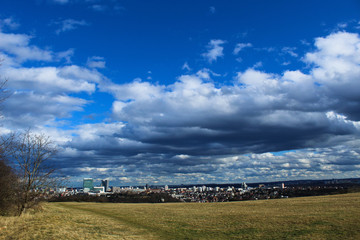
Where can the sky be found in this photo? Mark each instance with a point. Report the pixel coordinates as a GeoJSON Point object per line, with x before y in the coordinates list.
{"type": "Point", "coordinates": [186, 92]}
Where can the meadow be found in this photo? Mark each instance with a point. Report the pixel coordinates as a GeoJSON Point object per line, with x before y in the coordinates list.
{"type": "Point", "coordinates": [323, 217]}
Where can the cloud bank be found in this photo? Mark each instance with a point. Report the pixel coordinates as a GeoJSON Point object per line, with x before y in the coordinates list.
{"type": "Point", "coordinates": [296, 124]}
{"type": "Point", "coordinates": [194, 129]}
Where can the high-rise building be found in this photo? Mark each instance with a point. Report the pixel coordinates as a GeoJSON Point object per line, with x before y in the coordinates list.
{"type": "Point", "coordinates": [88, 184]}
{"type": "Point", "coordinates": [105, 184]}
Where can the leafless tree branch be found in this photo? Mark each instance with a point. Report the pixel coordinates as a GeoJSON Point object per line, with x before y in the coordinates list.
{"type": "Point", "coordinates": [31, 153]}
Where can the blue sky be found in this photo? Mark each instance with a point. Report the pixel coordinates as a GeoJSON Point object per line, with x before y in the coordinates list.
{"type": "Point", "coordinates": [168, 92]}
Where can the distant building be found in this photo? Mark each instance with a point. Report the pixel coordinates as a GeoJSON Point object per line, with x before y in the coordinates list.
{"type": "Point", "coordinates": [105, 184]}
{"type": "Point", "coordinates": [116, 189]}
{"type": "Point", "coordinates": [60, 190]}
{"type": "Point", "coordinates": [88, 184]}
{"type": "Point", "coordinates": [98, 189]}
{"type": "Point", "coordinates": [166, 187]}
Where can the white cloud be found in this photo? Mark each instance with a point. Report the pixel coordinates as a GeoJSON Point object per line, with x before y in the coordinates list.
{"type": "Point", "coordinates": [98, 7]}
{"type": "Point", "coordinates": [18, 46]}
{"type": "Point", "coordinates": [241, 46]}
{"type": "Point", "coordinates": [95, 132]}
{"type": "Point", "coordinates": [186, 67]}
{"type": "Point", "coordinates": [65, 55]}
{"type": "Point", "coordinates": [9, 23]}
{"type": "Point", "coordinates": [40, 95]}
{"type": "Point", "coordinates": [182, 156]}
{"type": "Point", "coordinates": [342, 25]}
{"type": "Point", "coordinates": [304, 42]}
{"type": "Point", "coordinates": [215, 50]}
{"type": "Point", "coordinates": [163, 128]}
{"type": "Point", "coordinates": [337, 64]}
{"type": "Point", "coordinates": [286, 63]}
{"type": "Point", "coordinates": [258, 65]}
{"type": "Point", "coordinates": [26, 109]}
{"type": "Point", "coordinates": [95, 62]}
{"type": "Point", "coordinates": [290, 51]}
{"type": "Point", "coordinates": [136, 90]}
{"type": "Point", "coordinates": [259, 105]}
{"type": "Point", "coordinates": [52, 79]}
{"type": "Point", "coordinates": [61, 1]}
{"type": "Point", "coordinates": [259, 80]}
{"type": "Point", "coordinates": [212, 9]}
{"type": "Point", "coordinates": [69, 24]}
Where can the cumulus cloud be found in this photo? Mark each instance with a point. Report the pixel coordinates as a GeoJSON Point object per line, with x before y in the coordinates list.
{"type": "Point", "coordinates": [215, 50]}
{"type": "Point", "coordinates": [16, 49]}
{"type": "Point", "coordinates": [196, 129]}
{"type": "Point", "coordinates": [18, 46]}
{"type": "Point", "coordinates": [52, 79]}
{"type": "Point", "coordinates": [29, 109]}
{"type": "Point", "coordinates": [194, 117]}
{"type": "Point", "coordinates": [41, 95]}
{"type": "Point", "coordinates": [336, 67]}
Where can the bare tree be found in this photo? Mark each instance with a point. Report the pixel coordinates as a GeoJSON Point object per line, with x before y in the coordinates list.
{"type": "Point", "coordinates": [31, 153]}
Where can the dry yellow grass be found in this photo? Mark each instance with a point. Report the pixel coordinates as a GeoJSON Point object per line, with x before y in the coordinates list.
{"type": "Point", "coordinates": [57, 222]}
{"type": "Point", "coordinates": [326, 217]}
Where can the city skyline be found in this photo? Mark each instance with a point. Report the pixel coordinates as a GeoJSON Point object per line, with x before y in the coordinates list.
{"type": "Point", "coordinates": [186, 92]}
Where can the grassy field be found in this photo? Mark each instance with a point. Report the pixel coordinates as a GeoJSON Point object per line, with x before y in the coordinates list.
{"type": "Point", "coordinates": [326, 217]}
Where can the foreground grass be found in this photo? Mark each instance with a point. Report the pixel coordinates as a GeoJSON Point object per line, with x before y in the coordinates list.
{"type": "Point", "coordinates": [326, 217]}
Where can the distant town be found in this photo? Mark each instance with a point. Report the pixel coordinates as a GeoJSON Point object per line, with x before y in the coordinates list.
{"type": "Point", "coordinates": [103, 192]}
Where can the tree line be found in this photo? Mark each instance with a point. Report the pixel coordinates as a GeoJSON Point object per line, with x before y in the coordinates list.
{"type": "Point", "coordinates": [125, 197]}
